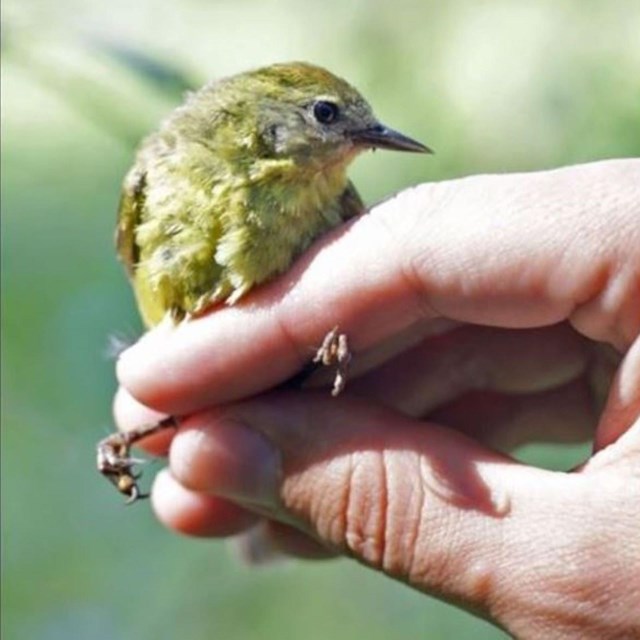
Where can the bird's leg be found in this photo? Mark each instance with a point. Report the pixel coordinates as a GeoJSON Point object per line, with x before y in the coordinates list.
{"type": "Point", "coordinates": [334, 351]}
{"type": "Point", "coordinates": [115, 463]}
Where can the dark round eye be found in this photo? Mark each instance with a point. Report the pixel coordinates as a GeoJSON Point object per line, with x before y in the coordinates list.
{"type": "Point", "coordinates": [325, 112]}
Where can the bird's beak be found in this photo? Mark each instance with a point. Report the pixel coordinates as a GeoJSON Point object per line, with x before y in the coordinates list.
{"type": "Point", "coordinates": [380, 137]}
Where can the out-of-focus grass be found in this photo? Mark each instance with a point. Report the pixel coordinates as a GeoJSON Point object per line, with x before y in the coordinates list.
{"type": "Point", "coordinates": [491, 86]}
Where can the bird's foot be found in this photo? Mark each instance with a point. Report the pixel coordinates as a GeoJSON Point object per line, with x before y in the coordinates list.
{"type": "Point", "coordinates": [334, 351]}
{"type": "Point", "coordinates": [115, 463]}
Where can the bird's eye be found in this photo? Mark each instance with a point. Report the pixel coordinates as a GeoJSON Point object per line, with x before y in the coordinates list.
{"type": "Point", "coordinates": [325, 112]}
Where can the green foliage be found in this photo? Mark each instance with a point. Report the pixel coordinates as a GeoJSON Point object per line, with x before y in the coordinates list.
{"type": "Point", "coordinates": [491, 86]}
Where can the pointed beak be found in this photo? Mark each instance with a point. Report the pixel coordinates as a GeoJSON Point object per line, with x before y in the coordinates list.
{"type": "Point", "coordinates": [380, 137]}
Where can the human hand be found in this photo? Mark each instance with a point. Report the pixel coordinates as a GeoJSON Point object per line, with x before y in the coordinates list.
{"type": "Point", "coordinates": [477, 310]}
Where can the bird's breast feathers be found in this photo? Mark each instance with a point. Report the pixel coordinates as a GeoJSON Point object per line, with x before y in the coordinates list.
{"type": "Point", "coordinates": [206, 235]}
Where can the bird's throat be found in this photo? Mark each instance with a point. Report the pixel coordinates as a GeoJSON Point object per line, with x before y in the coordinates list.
{"type": "Point", "coordinates": [301, 188]}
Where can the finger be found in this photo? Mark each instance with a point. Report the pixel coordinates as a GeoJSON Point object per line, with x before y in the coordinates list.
{"type": "Point", "coordinates": [226, 459]}
{"type": "Point", "coordinates": [271, 541]}
{"type": "Point", "coordinates": [471, 358]}
{"type": "Point", "coordinates": [130, 414]}
{"type": "Point", "coordinates": [196, 514]}
{"type": "Point", "coordinates": [623, 405]}
{"type": "Point", "coordinates": [228, 463]}
{"type": "Point", "coordinates": [516, 251]}
{"type": "Point", "coordinates": [503, 421]}
{"type": "Point", "coordinates": [372, 359]}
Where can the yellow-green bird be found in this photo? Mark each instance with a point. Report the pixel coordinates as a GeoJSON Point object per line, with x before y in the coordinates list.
{"type": "Point", "coordinates": [238, 181]}
{"type": "Point", "coordinates": [235, 184]}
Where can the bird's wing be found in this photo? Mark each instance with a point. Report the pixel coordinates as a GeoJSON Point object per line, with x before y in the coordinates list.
{"type": "Point", "coordinates": [351, 204]}
{"type": "Point", "coordinates": [129, 213]}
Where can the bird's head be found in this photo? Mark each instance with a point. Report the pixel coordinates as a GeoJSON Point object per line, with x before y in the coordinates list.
{"type": "Point", "coordinates": [308, 113]}
{"type": "Point", "coordinates": [304, 113]}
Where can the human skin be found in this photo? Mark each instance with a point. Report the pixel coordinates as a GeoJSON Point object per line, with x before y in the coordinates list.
{"type": "Point", "coordinates": [483, 312]}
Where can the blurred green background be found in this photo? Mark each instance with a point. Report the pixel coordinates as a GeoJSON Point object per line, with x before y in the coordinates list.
{"type": "Point", "coordinates": [491, 86]}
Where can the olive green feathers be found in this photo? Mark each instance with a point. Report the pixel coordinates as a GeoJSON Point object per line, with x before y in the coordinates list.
{"type": "Point", "coordinates": [238, 181]}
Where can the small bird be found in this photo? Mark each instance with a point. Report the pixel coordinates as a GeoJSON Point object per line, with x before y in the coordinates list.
{"type": "Point", "coordinates": [239, 181]}
{"type": "Point", "coordinates": [234, 185]}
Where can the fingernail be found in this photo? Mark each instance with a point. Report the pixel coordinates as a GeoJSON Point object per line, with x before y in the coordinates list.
{"type": "Point", "coordinates": [228, 459]}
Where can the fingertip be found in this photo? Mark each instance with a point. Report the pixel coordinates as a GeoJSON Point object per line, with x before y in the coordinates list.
{"type": "Point", "coordinates": [130, 414]}
{"type": "Point", "coordinates": [196, 514]}
{"type": "Point", "coordinates": [208, 360]}
{"type": "Point", "coordinates": [224, 457]}
{"type": "Point", "coordinates": [139, 366]}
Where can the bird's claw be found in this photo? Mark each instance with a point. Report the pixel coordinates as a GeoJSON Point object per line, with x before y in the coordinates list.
{"type": "Point", "coordinates": [115, 463]}
{"type": "Point", "coordinates": [334, 351]}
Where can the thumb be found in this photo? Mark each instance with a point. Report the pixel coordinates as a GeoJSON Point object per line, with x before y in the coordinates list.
{"type": "Point", "coordinates": [419, 502]}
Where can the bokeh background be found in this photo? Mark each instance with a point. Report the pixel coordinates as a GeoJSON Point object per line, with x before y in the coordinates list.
{"type": "Point", "coordinates": [491, 86]}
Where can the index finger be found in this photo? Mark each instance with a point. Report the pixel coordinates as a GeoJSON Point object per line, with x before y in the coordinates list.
{"type": "Point", "coordinates": [519, 250]}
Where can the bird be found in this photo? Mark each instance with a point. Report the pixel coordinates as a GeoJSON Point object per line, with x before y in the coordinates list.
{"type": "Point", "coordinates": [238, 182]}
{"type": "Point", "coordinates": [234, 185]}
